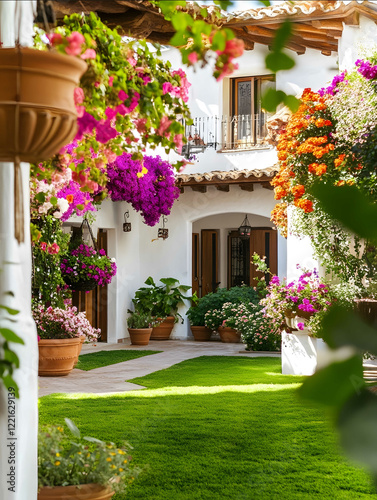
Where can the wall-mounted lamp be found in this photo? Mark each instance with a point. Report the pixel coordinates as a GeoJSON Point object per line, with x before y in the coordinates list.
{"type": "Point", "coordinates": [245, 229]}
{"type": "Point", "coordinates": [126, 225]}
{"type": "Point", "coordinates": [163, 232]}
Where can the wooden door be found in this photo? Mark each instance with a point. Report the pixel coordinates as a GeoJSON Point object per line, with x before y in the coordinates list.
{"type": "Point", "coordinates": [209, 260]}
{"type": "Point", "coordinates": [195, 263]}
{"type": "Point", "coordinates": [94, 303]}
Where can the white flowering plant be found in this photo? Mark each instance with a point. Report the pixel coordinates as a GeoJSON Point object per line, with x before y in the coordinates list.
{"type": "Point", "coordinates": [63, 461]}
{"type": "Point", "coordinates": [258, 331]}
{"type": "Point", "coordinates": [59, 323]}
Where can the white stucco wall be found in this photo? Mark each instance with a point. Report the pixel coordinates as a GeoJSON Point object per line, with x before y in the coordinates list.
{"type": "Point", "coordinates": [140, 254]}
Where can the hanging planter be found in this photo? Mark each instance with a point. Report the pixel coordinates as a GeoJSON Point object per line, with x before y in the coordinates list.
{"type": "Point", "coordinates": [85, 267]}
{"type": "Point", "coordinates": [37, 110]}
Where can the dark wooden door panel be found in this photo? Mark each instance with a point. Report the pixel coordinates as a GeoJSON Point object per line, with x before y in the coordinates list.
{"type": "Point", "coordinates": [210, 257]}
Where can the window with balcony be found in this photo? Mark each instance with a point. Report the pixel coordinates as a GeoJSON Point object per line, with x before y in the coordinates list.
{"type": "Point", "coordinates": [243, 125]}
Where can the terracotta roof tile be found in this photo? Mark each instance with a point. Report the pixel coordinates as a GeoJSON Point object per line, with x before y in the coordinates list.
{"type": "Point", "coordinates": [228, 175]}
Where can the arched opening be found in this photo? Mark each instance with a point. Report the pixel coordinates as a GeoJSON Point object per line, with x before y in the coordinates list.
{"type": "Point", "coordinates": [222, 258]}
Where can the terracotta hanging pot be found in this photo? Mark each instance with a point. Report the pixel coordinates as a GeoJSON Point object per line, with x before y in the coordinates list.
{"type": "Point", "coordinates": [82, 492]}
{"type": "Point", "coordinates": [229, 335]}
{"type": "Point", "coordinates": [140, 336]}
{"type": "Point", "coordinates": [163, 330]}
{"type": "Point", "coordinates": [37, 110]}
{"type": "Point", "coordinates": [201, 333]}
{"type": "Point", "coordinates": [57, 356]}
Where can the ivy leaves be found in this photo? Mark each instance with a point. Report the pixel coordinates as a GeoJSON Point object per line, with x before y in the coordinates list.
{"type": "Point", "coordinates": [9, 360]}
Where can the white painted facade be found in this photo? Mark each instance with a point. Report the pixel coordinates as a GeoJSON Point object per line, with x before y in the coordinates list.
{"type": "Point", "coordinates": [140, 254]}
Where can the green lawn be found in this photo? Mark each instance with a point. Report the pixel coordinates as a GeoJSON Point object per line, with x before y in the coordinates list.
{"type": "Point", "coordinates": [219, 428]}
{"type": "Point", "coordinates": [104, 358]}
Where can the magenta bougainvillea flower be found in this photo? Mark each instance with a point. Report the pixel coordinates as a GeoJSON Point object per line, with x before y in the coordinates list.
{"type": "Point", "coordinates": [152, 194]}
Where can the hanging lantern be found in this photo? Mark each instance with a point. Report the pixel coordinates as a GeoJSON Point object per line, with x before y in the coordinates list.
{"type": "Point", "coordinates": [245, 229]}
{"type": "Point", "coordinates": [126, 225]}
{"type": "Point", "coordinates": [163, 232]}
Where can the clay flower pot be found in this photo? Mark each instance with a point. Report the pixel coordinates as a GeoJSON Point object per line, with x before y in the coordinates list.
{"type": "Point", "coordinates": [163, 330]}
{"type": "Point", "coordinates": [37, 110]}
{"type": "Point", "coordinates": [201, 333]}
{"type": "Point", "coordinates": [79, 347]}
{"type": "Point", "coordinates": [57, 356]}
{"type": "Point", "coordinates": [82, 492]}
{"type": "Point", "coordinates": [140, 336]}
{"type": "Point", "coordinates": [229, 335]}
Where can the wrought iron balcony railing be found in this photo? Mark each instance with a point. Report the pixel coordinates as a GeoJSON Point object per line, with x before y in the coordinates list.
{"type": "Point", "coordinates": [226, 133]}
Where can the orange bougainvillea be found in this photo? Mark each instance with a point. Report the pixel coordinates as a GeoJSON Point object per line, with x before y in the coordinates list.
{"type": "Point", "coordinates": [308, 151]}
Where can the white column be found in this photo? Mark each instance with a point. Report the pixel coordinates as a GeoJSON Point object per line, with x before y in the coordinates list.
{"type": "Point", "coordinates": [18, 423]}
{"type": "Point", "coordinates": [299, 252]}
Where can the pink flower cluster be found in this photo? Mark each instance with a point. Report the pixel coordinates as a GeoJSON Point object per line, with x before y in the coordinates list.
{"type": "Point", "coordinates": [224, 64]}
{"type": "Point", "coordinates": [57, 323]}
{"type": "Point", "coordinates": [73, 45]}
{"type": "Point", "coordinates": [178, 90]}
{"type": "Point", "coordinates": [52, 249]}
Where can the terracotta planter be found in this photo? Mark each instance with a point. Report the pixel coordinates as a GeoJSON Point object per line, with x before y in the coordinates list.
{"type": "Point", "coordinates": [57, 356]}
{"type": "Point", "coordinates": [79, 347]}
{"type": "Point", "coordinates": [201, 333]}
{"type": "Point", "coordinates": [83, 492]}
{"type": "Point", "coordinates": [229, 335]}
{"type": "Point", "coordinates": [37, 111]}
{"type": "Point", "coordinates": [140, 336]}
{"type": "Point", "coordinates": [163, 330]}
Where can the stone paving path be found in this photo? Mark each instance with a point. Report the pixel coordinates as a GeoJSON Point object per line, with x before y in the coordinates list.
{"type": "Point", "coordinates": [112, 378]}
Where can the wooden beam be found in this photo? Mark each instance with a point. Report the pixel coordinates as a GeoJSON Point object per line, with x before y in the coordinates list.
{"type": "Point", "coordinates": [247, 186]}
{"type": "Point", "coordinates": [265, 40]}
{"type": "Point", "coordinates": [223, 187]}
{"type": "Point", "coordinates": [200, 188]}
{"type": "Point", "coordinates": [353, 19]}
{"type": "Point", "coordinates": [217, 182]}
{"type": "Point", "coordinates": [331, 24]}
{"type": "Point", "coordinates": [267, 185]}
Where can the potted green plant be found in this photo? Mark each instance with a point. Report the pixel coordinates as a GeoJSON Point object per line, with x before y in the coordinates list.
{"type": "Point", "coordinates": [60, 336]}
{"type": "Point", "coordinates": [140, 325]}
{"type": "Point", "coordinates": [80, 467]}
{"type": "Point", "coordinates": [224, 320]}
{"type": "Point", "coordinates": [162, 302]}
{"type": "Point", "coordinates": [196, 315]}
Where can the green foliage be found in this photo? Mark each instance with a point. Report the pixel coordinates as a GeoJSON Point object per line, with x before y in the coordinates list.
{"type": "Point", "coordinates": [47, 282]}
{"type": "Point", "coordinates": [9, 360]}
{"type": "Point", "coordinates": [99, 359]}
{"type": "Point", "coordinates": [163, 300]}
{"type": "Point", "coordinates": [236, 295]}
{"type": "Point", "coordinates": [140, 319]}
{"type": "Point", "coordinates": [63, 461]}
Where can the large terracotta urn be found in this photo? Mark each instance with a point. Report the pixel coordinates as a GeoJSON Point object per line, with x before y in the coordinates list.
{"type": "Point", "coordinates": [57, 356]}
{"type": "Point", "coordinates": [201, 333]}
{"type": "Point", "coordinates": [140, 336]}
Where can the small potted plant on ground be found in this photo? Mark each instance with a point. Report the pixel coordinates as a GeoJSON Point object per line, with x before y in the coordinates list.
{"type": "Point", "coordinates": [140, 326]}
{"type": "Point", "coordinates": [82, 467]}
{"type": "Point", "coordinates": [196, 315]}
{"type": "Point", "coordinates": [162, 302]}
{"type": "Point", "coordinates": [60, 336]}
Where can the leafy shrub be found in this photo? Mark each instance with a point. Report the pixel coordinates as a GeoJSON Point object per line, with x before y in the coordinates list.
{"type": "Point", "coordinates": [215, 300]}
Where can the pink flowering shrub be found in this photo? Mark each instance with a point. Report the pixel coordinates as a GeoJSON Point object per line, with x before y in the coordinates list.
{"type": "Point", "coordinates": [148, 187]}
{"type": "Point", "coordinates": [85, 263]}
{"type": "Point", "coordinates": [305, 298]}
{"type": "Point", "coordinates": [58, 323]}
